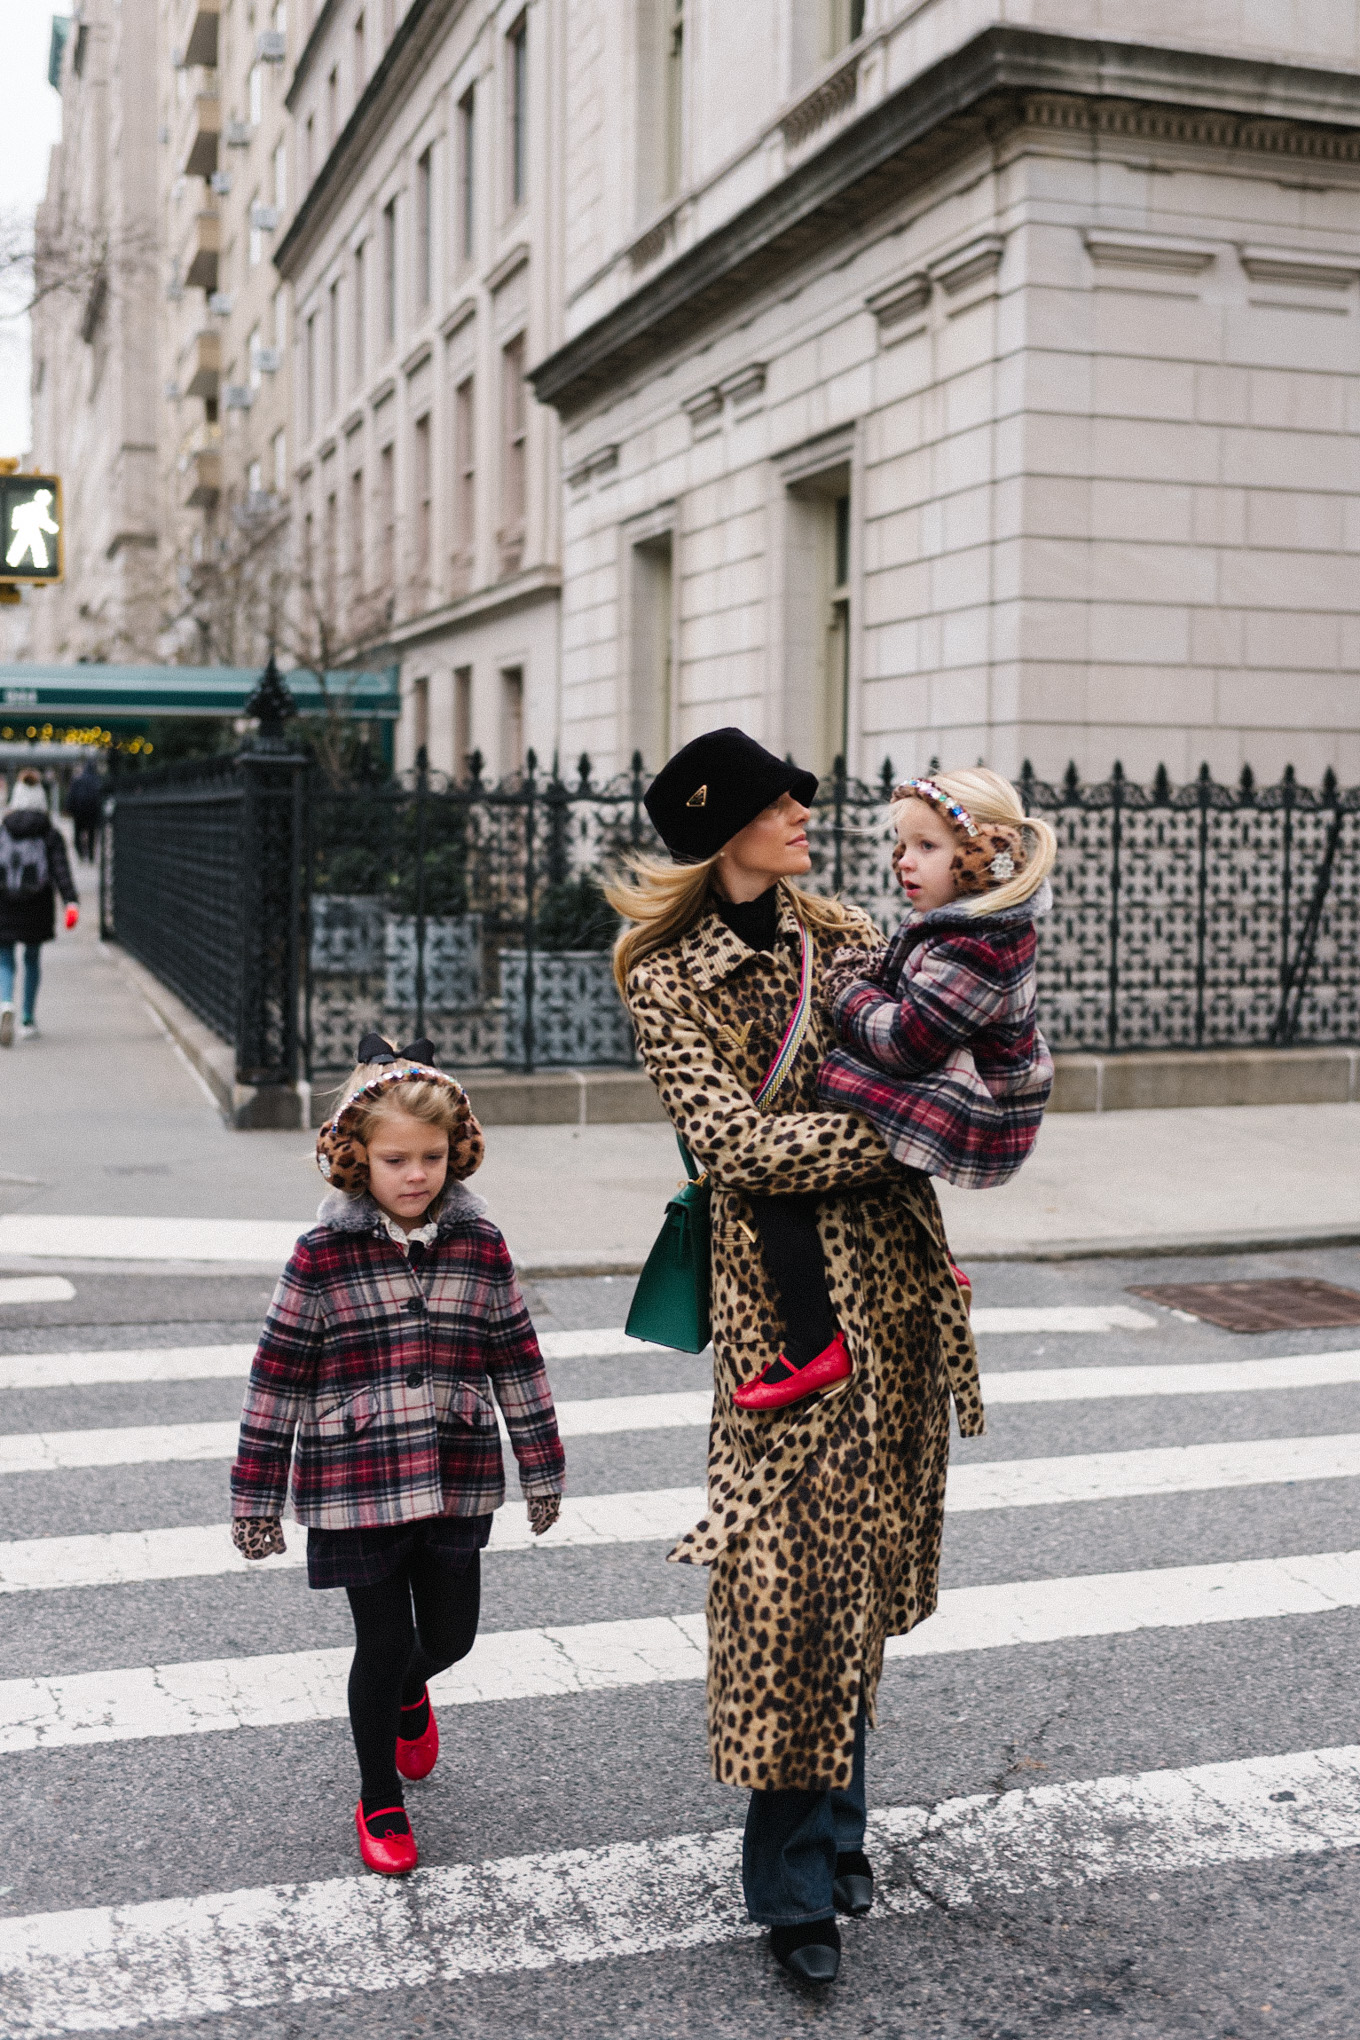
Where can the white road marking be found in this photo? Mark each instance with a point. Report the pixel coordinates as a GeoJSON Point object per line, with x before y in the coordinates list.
{"type": "Point", "coordinates": [143, 1363]}
{"type": "Point", "coordinates": [103, 1238]}
{"type": "Point", "coordinates": [1214, 1377]}
{"type": "Point", "coordinates": [179, 1959]}
{"type": "Point", "coordinates": [119, 1558]}
{"type": "Point", "coordinates": [1061, 1317]}
{"type": "Point", "coordinates": [126, 1445]}
{"type": "Point", "coordinates": [529, 1664]}
{"type": "Point", "coordinates": [35, 1288]}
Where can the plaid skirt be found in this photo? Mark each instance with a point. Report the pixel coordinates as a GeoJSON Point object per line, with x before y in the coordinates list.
{"type": "Point", "coordinates": [360, 1558]}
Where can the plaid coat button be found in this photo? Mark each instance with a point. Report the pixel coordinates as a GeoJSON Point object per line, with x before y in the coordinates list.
{"type": "Point", "coordinates": [416, 1378]}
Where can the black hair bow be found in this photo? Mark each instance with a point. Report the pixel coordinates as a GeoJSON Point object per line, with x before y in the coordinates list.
{"type": "Point", "coordinates": [374, 1048]}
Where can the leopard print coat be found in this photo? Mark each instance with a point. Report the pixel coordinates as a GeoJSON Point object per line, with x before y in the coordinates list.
{"type": "Point", "coordinates": [824, 1519]}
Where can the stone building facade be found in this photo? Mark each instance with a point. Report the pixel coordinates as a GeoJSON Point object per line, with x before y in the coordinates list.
{"type": "Point", "coordinates": [95, 399]}
{"type": "Point", "coordinates": [424, 263]}
{"type": "Point", "coordinates": [962, 379]}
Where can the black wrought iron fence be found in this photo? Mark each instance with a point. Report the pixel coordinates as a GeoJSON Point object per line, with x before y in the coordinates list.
{"type": "Point", "coordinates": [292, 913]}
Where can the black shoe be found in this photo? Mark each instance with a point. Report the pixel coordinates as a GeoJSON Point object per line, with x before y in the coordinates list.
{"type": "Point", "coordinates": [853, 1889]}
{"type": "Point", "coordinates": [810, 1951]}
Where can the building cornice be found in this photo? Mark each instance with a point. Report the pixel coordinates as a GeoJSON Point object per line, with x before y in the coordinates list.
{"type": "Point", "coordinates": [425, 21]}
{"type": "Point", "coordinates": [1080, 85]}
{"type": "Point", "coordinates": [534, 584]}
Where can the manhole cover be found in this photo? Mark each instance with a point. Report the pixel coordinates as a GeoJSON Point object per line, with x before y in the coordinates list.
{"type": "Point", "coordinates": [1298, 1306]}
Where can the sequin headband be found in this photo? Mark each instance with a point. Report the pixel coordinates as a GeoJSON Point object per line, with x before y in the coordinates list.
{"type": "Point", "coordinates": [926, 789]}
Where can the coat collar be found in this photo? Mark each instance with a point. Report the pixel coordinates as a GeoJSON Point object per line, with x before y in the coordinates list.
{"type": "Point", "coordinates": [710, 951]}
{"type": "Point", "coordinates": [339, 1212]}
{"type": "Point", "coordinates": [956, 915]}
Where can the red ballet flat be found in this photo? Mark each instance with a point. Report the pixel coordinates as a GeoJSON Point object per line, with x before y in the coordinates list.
{"type": "Point", "coordinates": [417, 1757]}
{"type": "Point", "coordinates": [831, 1365]}
{"type": "Point", "coordinates": [390, 1855]}
{"type": "Point", "coordinates": [965, 1286]}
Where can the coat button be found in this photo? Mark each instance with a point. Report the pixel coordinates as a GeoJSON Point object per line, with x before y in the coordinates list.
{"type": "Point", "coordinates": [416, 1305]}
{"type": "Point", "coordinates": [416, 1378]}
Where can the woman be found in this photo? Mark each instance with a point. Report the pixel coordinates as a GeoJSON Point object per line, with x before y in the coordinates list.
{"type": "Point", "coordinates": [34, 867]}
{"type": "Point", "coordinates": [823, 1531]}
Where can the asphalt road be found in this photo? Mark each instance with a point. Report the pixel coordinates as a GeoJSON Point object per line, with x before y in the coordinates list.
{"type": "Point", "coordinates": [1081, 1933]}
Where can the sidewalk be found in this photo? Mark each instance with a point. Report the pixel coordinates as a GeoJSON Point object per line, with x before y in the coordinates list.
{"type": "Point", "coordinates": [102, 1118]}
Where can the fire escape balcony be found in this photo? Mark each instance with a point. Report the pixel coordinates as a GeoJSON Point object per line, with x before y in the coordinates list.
{"type": "Point", "coordinates": [201, 47]}
{"type": "Point", "coordinates": [205, 132]}
{"type": "Point", "coordinates": [201, 464]}
{"type": "Point", "coordinates": [205, 363]}
{"type": "Point", "coordinates": [200, 271]}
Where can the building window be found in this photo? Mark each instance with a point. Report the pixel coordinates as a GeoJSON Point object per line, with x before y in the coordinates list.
{"type": "Point", "coordinates": [329, 535]}
{"type": "Point", "coordinates": [420, 717]}
{"type": "Point", "coordinates": [389, 20]}
{"type": "Point", "coordinates": [333, 346]}
{"type": "Point", "coordinates": [278, 304]}
{"type": "Point", "coordinates": [387, 516]}
{"type": "Point", "coordinates": [423, 504]}
{"type": "Point", "coordinates": [279, 446]}
{"type": "Point", "coordinates": [844, 24]}
{"type": "Point", "coordinates": [254, 481]}
{"type": "Point", "coordinates": [513, 415]}
{"type": "Point", "coordinates": [389, 261]}
{"type": "Point", "coordinates": [360, 303]}
{"type": "Point", "coordinates": [256, 89]}
{"type": "Point", "coordinates": [675, 97]}
{"type": "Point", "coordinates": [356, 537]}
{"type": "Point", "coordinates": [462, 722]}
{"type": "Point", "coordinates": [360, 56]}
{"type": "Point", "coordinates": [512, 719]}
{"type": "Point", "coordinates": [464, 484]}
{"type": "Point", "coordinates": [332, 106]}
{"type": "Point", "coordinates": [517, 52]}
{"type": "Point", "coordinates": [661, 102]}
{"type": "Point", "coordinates": [467, 175]}
{"type": "Point", "coordinates": [309, 151]}
{"type": "Point", "coordinates": [281, 178]}
{"type": "Point", "coordinates": [424, 227]}
{"type": "Point", "coordinates": [256, 376]}
{"type": "Point", "coordinates": [817, 621]}
{"type": "Point", "coordinates": [309, 375]}
{"type": "Point", "coordinates": [652, 667]}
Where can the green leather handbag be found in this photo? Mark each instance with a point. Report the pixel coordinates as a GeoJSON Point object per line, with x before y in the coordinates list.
{"type": "Point", "coordinates": [670, 1303]}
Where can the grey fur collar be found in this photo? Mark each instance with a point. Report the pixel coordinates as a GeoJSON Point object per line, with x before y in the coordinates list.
{"type": "Point", "coordinates": [955, 915]}
{"type": "Point", "coordinates": [341, 1213]}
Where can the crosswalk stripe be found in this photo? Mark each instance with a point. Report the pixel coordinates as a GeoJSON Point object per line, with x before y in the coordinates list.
{"type": "Point", "coordinates": [35, 1289]}
{"type": "Point", "coordinates": [1214, 1377]}
{"type": "Point", "coordinates": [528, 1664]}
{"type": "Point", "coordinates": [123, 1558]}
{"type": "Point", "coordinates": [104, 1238]}
{"type": "Point", "coordinates": [205, 1363]}
{"type": "Point", "coordinates": [187, 1958]}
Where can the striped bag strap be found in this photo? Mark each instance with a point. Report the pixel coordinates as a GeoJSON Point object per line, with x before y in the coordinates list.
{"type": "Point", "coordinates": [798, 1025]}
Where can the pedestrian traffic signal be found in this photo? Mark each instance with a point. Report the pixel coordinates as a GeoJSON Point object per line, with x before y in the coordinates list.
{"type": "Point", "coordinates": [30, 528]}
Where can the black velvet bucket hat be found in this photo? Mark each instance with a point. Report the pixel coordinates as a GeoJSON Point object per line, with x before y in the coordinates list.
{"type": "Point", "coordinates": [707, 793]}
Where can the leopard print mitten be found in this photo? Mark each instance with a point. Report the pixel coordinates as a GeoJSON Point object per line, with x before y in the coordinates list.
{"type": "Point", "coordinates": [544, 1511]}
{"type": "Point", "coordinates": [258, 1536]}
{"type": "Point", "coordinates": [848, 966]}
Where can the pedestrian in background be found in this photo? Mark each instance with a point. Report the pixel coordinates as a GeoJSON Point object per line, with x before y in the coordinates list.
{"type": "Point", "coordinates": [34, 868]}
{"type": "Point", "coordinates": [396, 1321]}
{"type": "Point", "coordinates": [83, 801]}
{"type": "Point", "coordinates": [824, 1519]}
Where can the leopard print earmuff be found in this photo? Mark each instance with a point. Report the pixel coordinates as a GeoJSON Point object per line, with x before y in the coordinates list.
{"type": "Point", "coordinates": [342, 1157]}
{"type": "Point", "coordinates": [988, 853]}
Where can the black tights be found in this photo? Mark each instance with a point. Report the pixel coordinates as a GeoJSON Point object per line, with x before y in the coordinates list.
{"type": "Point", "coordinates": [792, 1247]}
{"type": "Point", "coordinates": [395, 1656]}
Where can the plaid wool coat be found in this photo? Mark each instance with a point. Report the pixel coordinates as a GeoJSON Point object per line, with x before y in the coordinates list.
{"type": "Point", "coordinates": [375, 1374]}
{"type": "Point", "coordinates": [942, 1052]}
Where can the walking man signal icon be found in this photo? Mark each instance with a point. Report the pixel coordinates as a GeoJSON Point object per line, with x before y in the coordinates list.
{"type": "Point", "coordinates": [31, 536]}
{"type": "Point", "coordinates": [31, 527]}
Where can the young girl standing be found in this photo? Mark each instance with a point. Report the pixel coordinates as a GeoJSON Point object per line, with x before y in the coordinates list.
{"type": "Point", "coordinates": [395, 1322]}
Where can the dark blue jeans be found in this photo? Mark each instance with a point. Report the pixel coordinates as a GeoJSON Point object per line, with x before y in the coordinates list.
{"type": "Point", "coordinates": [792, 1840]}
{"type": "Point", "coordinates": [32, 972]}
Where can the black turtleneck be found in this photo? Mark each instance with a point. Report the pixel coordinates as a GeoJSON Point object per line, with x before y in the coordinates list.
{"type": "Point", "coordinates": [754, 922]}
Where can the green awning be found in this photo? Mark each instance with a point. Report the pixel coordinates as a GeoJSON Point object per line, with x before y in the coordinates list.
{"type": "Point", "coordinates": [96, 693]}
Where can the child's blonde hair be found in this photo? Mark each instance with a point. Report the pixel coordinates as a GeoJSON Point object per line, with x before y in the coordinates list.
{"type": "Point", "coordinates": [991, 799]}
{"type": "Point", "coordinates": [434, 1104]}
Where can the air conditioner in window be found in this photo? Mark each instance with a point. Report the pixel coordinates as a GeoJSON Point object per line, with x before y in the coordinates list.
{"type": "Point", "coordinates": [219, 304]}
{"type": "Point", "coordinates": [220, 182]}
{"type": "Point", "coordinates": [268, 360]}
{"type": "Point", "coordinates": [264, 218]}
{"type": "Point", "coordinates": [237, 134]}
{"type": "Point", "coordinates": [236, 396]}
{"type": "Point", "coordinates": [271, 46]}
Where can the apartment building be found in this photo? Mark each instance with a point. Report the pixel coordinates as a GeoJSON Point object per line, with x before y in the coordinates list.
{"type": "Point", "coordinates": [222, 78]}
{"type": "Point", "coordinates": [937, 385]}
{"type": "Point", "coordinates": [424, 264]}
{"type": "Point", "coordinates": [95, 401]}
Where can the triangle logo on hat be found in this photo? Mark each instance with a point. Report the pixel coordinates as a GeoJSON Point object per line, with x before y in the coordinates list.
{"type": "Point", "coordinates": [699, 798]}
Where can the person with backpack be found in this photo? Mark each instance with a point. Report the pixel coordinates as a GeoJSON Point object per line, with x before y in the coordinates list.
{"type": "Point", "coordinates": [83, 801]}
{"type": "Point", "coordinates": [34, 868]}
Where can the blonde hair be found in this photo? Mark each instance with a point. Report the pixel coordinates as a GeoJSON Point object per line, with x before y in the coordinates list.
{"type": "Point", "coordinates": [990, 798]}
{"type": "Point", "coordinates": [432, 1103]}
{"type": "Point", "coordinates": [663, 900]}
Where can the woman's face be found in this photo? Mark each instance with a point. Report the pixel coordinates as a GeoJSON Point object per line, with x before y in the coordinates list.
{"type": "Point", "coordinates": [924, 856]}
{"type": "Point", "coordinates": [774, 845]}
{"type": "Point", "coordinates": [407, 1164]}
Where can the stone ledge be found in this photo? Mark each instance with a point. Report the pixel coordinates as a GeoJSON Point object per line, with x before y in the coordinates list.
{"type": "Point", "coordinates": [1162, 1080]}
{"type": "Point", "coordinates": [211, 1059]}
